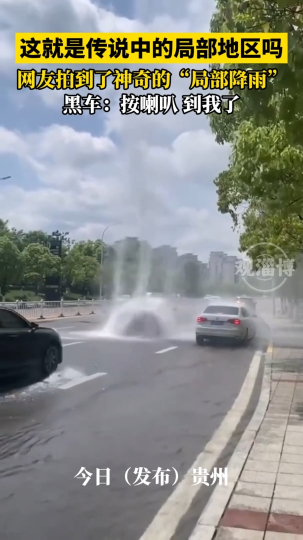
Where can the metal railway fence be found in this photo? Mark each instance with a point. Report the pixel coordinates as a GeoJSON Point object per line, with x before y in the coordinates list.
{"type": "Point", "coordinates": [51, 310]}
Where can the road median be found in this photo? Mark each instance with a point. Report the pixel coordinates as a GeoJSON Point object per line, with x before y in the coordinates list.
{"type": "Point", "coordinates": [60, 317]}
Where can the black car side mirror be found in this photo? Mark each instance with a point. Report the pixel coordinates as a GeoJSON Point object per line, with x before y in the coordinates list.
{"type": "Point", "coordinates": [34, 325]}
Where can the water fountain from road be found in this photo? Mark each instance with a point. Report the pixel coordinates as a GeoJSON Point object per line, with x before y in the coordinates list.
{"type": "Point", "coordinates": [140, 317]}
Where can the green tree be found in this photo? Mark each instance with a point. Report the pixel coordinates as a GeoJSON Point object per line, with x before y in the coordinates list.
{"type": "Point", "coordinates": [39, 263]}
{"type": "Point", "coordinates": [262, 187]}
{"type": "Point", "coordinates": [81, 266]}
{"type": "Point", "coordinates": [270, 230]}
{"type": "Point", "coordinates": [22, 238]}
{"type": "Point", "coordinates": [34, 237]}
{"type": "Point", "coordinates": [4, 229]}
{"type": "Point", "coordinates": [82, 271]}
{"type": "Point", "coordinates": [92, 248]}
{"type": "Point", "coordinates": [11, 266]}
{"type": "Point", "coordinates": [105, 256]}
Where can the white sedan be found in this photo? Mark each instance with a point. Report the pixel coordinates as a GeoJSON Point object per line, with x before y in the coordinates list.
{"type": "Point", "coordinates": [228, 320]}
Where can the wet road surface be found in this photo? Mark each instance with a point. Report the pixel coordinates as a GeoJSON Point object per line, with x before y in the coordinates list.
{"type": "Point", "coordinates": [116, 405]}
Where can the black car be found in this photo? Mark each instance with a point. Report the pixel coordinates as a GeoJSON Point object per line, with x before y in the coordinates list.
{"type": "Point", "coordinates": [26, 346]}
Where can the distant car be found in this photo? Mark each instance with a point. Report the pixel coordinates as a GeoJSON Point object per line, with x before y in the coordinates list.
{"type": "Point", "coordinates": [225, 320]}
{"type": "Point", "coordinates": [26, 346]}
{"type": "Point", "coordinates": [248, 302]}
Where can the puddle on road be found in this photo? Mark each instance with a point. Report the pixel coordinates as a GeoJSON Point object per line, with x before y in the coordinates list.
{"type": "Point", "coordinates": [54, 382]}
{"type": "Point", "coordinates": [24, 438]}
{"type": "Point", "coordinates": [181, 335]}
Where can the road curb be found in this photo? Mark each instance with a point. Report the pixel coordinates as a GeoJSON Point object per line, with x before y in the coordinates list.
{"type": "Point", "coordinates": [208, 523]}
{"type": "Point", "coordinates": [166, 521]}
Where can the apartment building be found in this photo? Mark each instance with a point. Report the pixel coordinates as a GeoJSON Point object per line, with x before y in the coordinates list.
{"type": "Point", "coordinates": [222, 267]}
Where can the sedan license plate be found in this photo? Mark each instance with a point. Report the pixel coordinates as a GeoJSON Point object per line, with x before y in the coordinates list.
{"type": "Point", "coordinates": [217, 323]}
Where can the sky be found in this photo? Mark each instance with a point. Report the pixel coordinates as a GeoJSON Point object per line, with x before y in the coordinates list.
{"type": "Point", "coordinates": [146, 176]}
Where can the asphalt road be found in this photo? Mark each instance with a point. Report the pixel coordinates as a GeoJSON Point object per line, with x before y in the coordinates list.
{"type": "Point", "coordinates": [144, 409]}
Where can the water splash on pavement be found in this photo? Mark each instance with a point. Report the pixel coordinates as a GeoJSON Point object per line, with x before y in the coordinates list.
{"type": "Point", "coordinates": [139, 318]}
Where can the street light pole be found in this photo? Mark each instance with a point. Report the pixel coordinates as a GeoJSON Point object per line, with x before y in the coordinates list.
{"type": "Point", "coordinates": [101, 259]}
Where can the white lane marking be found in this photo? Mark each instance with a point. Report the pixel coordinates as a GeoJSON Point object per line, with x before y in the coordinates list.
{"type": "Point", "coordinates": [165, 523]}
{"type": "Point", "coordinates": [74, 343]}
{"type": "Point", "coordinates": [67, 338]}
{"type": "Point", "coordinates": [218, 501]}
{"type": "Point", "coordinates": [81, 381]}
{"type": "Point", "coordinates": [166, 350]}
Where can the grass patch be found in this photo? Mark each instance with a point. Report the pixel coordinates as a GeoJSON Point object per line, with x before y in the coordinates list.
{"type": "Point", "coordinates": [21, 294]}
{"type": "Point", "coordinates": [29, 296]}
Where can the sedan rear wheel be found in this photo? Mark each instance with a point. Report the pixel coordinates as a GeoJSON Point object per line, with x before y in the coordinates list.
{"type": "Point", "coordinates": [50, 360]}
{"type": "Point", "coordinates": [199, 341]}
{"type": "Point", "coordinates": [245, 339]}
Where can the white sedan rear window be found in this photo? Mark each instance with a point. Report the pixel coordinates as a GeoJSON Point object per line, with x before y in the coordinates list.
{"type": "Point", "coordinates": [224, 310]}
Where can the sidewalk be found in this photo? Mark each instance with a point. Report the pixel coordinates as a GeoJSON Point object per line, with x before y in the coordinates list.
{"type": "Point", "coordinates": [286, 324]}
{"type": "Point", "coordinates": [264, 496]}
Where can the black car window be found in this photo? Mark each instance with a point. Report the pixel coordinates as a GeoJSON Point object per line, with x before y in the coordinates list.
{"type": "Point", "coordinates": [8, 320]}
{"type": "Point", "coordinates": [224, 310]}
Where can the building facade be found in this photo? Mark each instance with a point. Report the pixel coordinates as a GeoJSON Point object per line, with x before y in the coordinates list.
{"type": "Point", "coordinates": [222, 267]}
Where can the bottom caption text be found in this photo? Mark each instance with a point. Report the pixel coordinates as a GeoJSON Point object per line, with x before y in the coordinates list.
{"type": "Point", "coordinates": [160, 477]}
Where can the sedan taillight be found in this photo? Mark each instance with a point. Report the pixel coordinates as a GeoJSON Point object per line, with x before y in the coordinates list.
{"type": "Point", "coordinates": [234, 321]}
{"type": "Point", "coordinates": [201, 319]}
